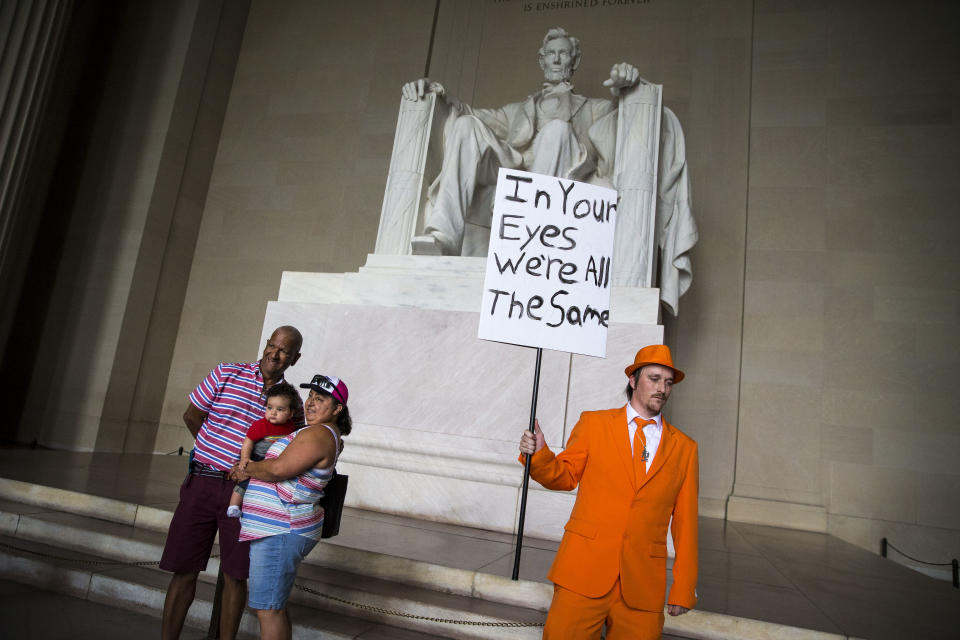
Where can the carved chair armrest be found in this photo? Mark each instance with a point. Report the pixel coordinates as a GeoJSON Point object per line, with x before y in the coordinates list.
{"type": "Point", "coordinates": [414, 163]}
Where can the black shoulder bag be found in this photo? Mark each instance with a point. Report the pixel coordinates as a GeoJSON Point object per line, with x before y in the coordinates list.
{"type": "Point", "coordinates": [334, 494]}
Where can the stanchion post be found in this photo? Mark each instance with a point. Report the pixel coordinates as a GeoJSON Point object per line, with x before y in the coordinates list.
{"type": "Point", "coordinates": [526, 468]}
{"type": "Point", "coordinates": [883, 547]}
{"type": "Point", "coordinates": [213, 631]}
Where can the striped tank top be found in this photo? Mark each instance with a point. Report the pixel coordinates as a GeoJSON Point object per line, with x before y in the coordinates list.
{"type": "Point", "coordinates": [290, 506]}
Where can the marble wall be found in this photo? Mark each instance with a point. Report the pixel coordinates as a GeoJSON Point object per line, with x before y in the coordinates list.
{"type": "Point", "coordinates": [300, 170]}
{"type": "Point", "coordinates": [850, 339]}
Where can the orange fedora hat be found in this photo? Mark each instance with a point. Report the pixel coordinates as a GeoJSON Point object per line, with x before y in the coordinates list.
{"type": "Point", "coordinates": [655, 354]}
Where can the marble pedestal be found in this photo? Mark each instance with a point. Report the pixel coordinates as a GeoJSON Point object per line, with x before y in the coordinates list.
{"type": "Point", "coordinates": [437, 412]}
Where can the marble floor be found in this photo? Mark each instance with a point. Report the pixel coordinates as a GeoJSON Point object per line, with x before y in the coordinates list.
{"type": "Point", "coordinates": [797, 578]}
{"type": "Point", "coordinates": [25, 613]}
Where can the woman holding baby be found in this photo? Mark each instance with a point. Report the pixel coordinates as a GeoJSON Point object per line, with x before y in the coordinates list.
{"type": "Point", "coordinates": [281, 516]}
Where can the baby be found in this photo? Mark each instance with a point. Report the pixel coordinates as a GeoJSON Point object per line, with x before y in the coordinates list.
{"type": "Point", "coordinates": [281, 401]}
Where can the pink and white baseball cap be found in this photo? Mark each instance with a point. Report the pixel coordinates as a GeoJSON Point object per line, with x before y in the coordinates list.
{"type": "Point", "coordinates": [329, 384]}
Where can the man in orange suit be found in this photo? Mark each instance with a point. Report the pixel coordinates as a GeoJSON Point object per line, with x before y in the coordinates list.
{"type": "Point", "coordinates": [635, 471]}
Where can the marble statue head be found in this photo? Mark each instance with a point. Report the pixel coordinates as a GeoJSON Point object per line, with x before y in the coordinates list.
{"type": "Point", "coordinates": [559, 55]}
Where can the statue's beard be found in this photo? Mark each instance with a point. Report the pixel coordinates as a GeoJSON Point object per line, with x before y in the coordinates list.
{"type": "Point", "coordinates": [557, 75]}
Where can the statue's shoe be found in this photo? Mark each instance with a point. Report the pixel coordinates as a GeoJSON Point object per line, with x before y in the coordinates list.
{"type": "Point", "coordinates": [425, 246]}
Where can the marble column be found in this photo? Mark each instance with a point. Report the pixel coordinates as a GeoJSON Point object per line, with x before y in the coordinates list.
{"type": "Point", "coordinates": [31, 38]}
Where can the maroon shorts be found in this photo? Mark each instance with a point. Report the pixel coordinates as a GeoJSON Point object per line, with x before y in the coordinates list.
{"type": "Point", "coordinates": [201, 512]}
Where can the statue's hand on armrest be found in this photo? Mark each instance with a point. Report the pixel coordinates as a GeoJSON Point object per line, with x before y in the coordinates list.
{"type": "Point", "coordinates": [623, 75]}
{"type": "Point", "coordinates": [417, 89]}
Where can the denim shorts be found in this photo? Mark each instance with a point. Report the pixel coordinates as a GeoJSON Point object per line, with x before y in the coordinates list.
{"type": "Point", "coordinates": [273, 567]}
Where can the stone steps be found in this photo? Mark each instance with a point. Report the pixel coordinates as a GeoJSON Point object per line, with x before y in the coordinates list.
{"type": "Point", "coordinates": [475, 584]}
{"type": "Point", "coordinates": [143, 590]}
{"type": "Point", "coordinates": [71, 545]}
{"type": "Point", "coordinates": [75, 525]}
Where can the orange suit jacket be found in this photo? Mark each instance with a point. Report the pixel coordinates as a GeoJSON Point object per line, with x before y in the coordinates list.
{"type": "Point", "coordinates": [618, 526]}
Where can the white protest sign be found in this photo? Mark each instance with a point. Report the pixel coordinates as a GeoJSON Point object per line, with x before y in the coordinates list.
{"type": "Point", "coordinates": [548, 268]}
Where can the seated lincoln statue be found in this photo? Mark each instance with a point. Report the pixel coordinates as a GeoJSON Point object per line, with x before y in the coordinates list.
{"type": "Point", "coordinates": [554, 132]}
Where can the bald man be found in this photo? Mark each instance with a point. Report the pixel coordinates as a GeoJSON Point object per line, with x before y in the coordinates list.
{"type": "Point", "coordinates": [218, 414]}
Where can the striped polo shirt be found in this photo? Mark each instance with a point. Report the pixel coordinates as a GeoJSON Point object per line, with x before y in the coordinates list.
{"type": "Point", "coordinates": [232, 397]}
{"type": "Point", "coordinates": [272, 508]}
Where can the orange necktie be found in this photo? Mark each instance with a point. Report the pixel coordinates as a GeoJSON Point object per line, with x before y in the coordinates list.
{"type": "Point", "coordinates": [640, 453]}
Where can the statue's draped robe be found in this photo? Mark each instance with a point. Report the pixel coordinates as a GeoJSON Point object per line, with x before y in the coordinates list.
{"type": "Point", "coordinates": [556, 132]}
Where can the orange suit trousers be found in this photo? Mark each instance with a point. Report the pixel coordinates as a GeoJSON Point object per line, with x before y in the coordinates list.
{"type": "Point", "coordinates": [576, 617]}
